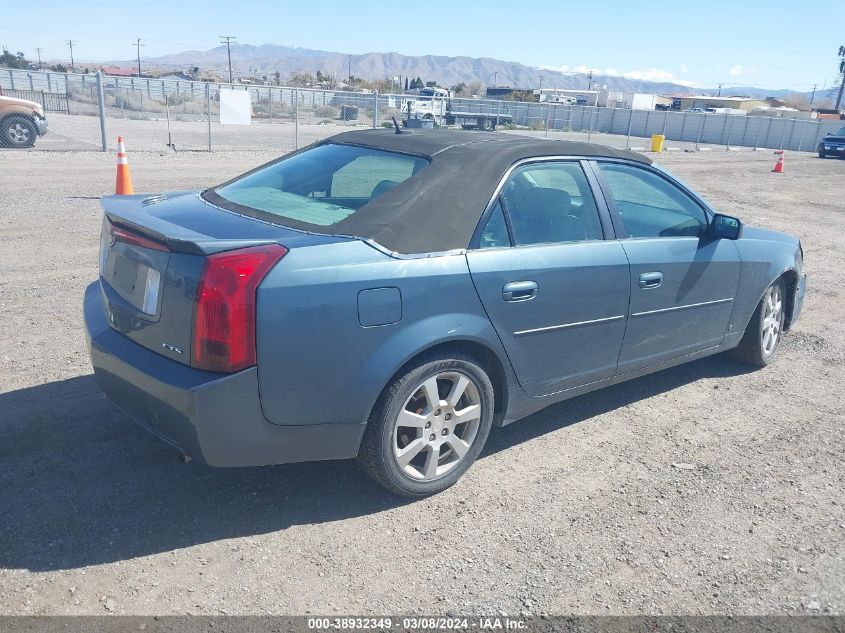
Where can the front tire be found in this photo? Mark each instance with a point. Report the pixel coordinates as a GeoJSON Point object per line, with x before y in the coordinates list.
{"type": "Point", "coordinates": [18, 131]}
{"type": "Point", "coordinates": [821, 153]}
{"type": "Point", "coordinates": [762, 336]}
{"type": "Point", "coordinates": [428, 426]}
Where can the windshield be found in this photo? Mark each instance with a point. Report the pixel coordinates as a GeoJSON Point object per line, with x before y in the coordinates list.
{"type": "Point", "coordinates": [322, 185]}
{"type": "Point", "coordinates": [840, 132]}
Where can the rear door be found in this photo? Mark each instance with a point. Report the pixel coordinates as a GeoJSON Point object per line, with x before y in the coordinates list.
{"type": "Point", "coordinates": [554, 288]}
{"type": "Point", "coordinates": [683, 282]}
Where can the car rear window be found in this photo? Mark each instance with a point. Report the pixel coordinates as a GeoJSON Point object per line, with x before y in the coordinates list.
{"type": "Point", "coordinates": [322, 185]}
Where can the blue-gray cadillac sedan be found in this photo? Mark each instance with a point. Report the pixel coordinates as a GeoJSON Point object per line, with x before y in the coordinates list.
{"type": "Point", "coordinates": [392, 296]}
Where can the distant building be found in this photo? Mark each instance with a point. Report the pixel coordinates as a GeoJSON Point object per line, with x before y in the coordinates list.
{"type": "Point", "coordinates": [637, 101]}
{"type": "Point", "coordinates": [566, 95]}
{"type": "Point", "coordinates": [119, 71]}
{"type": "Point", "coordinates": [500, 93]}
{"type": "Point", "coordinates": [688, 102]}
{"type": "Point", "coordinates": [175, 76]}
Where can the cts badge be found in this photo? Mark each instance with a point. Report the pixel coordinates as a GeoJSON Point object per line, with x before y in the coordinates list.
{"type": "Point", "coordinates": [171, 348]}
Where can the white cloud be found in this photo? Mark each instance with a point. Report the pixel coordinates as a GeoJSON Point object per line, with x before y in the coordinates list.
{"type": "Point", "coordinates": [684, 68]}
{"type": "Point", "coordinates": [650, 74]}
{"type": "Point", "coordinates": [582, 69]}
{"type": "Point", "coordinates": [735, 70]}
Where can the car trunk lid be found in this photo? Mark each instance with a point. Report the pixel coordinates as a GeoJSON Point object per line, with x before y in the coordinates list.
{"type": "Point", "coordinates": [153, 250]}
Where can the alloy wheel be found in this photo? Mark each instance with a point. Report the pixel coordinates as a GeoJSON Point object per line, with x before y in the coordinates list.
{"type": "Point", "coordinates": [18, 133]}
{"type": "Point", "coordinates": [437, 426]}
{"type": "Point", "coordinates": [772, 319]}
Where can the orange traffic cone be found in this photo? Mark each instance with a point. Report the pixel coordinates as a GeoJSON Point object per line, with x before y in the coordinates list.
{"type": "Point", "coordinates": [779, 165]}
{"type": "Point", "coordinates": [123, 184]}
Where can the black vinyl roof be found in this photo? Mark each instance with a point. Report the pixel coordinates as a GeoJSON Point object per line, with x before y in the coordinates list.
{"type": "Point", "coordinates": [506, 148]}
{"type": "Point", "coordinates": [438, 209]}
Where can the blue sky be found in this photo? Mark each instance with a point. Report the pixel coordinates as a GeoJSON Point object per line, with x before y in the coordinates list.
{"type": "Point", "coordinates": [774, 44]}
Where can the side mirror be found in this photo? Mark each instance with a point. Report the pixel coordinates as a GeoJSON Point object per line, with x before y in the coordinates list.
{"type": "Point", "coordinates": [726, 227]}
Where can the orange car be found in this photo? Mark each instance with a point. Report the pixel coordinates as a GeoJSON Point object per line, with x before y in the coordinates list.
{"type": "Point", "coordinates": [21, 122]}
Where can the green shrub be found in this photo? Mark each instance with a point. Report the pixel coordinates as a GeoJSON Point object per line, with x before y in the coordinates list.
{"type": "Point", "coordinates": [326, 112]}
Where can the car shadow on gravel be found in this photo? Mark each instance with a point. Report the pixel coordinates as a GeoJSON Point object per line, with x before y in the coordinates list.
{"type": "Point", "coordinates": [81, 485]}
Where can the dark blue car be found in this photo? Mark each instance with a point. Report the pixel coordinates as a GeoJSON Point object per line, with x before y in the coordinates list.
{"type": "Point", "coordinates": [832, 144]}
{"type": "Point", "coordinates": [392, 296]}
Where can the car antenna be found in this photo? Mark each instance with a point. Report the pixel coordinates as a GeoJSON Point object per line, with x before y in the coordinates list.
{"type": "Point", "coordinates": [399, 130]}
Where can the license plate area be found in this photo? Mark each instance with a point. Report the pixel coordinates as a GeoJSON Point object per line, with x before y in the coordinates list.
{"type": "Point", "coordinates": [134, 276]}
{"type": "Point", "coordinates": [137, 283]}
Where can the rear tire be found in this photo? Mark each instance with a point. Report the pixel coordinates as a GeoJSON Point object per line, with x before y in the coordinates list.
{"type": "Point", "coordinates": [17, 130]}
{"type": "Point", "coordinates": [762, 336]}
{"type": "Point", "coordinates": [485, 125]}
{"type": "Point", "coordinates": [416, 447]}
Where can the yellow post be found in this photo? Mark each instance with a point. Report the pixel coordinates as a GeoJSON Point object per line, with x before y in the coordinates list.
{"type": "Point", "coordinates": [657, 142]}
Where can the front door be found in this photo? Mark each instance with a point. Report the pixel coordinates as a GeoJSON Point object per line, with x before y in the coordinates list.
{"type": "Point", "coordinates": [554, 288]}
{"type": "Point", "coordinates": [683, 281]}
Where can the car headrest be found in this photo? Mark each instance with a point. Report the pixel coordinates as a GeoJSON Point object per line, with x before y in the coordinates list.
{"type": "Point", "coordinates": [383, 187]}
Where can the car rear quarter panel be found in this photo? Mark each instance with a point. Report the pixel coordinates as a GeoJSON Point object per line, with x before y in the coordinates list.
{"type": "Point", "coordinates": [317, 363]}
{"type": "Point", "coordinates": [764, 256]}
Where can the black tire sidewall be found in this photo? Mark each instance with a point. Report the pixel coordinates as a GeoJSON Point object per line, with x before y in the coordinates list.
{"type": "Point", "coordinates": [410, 382]}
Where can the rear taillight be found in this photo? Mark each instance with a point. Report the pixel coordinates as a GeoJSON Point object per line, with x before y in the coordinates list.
{"type": "Point", "coordinates": [224, 323]}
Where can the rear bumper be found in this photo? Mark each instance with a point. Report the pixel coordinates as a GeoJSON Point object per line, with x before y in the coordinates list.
{"type": "Point", "coordinates": [214, 418]}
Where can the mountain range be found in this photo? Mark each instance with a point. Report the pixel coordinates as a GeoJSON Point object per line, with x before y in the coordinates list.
{"type": "Point", "coordinates": [266, 59]}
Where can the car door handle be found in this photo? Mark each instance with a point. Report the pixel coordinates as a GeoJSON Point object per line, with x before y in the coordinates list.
{"type": "Point", "coordinates": [520, 290]}
{"type": "Point", "coordinates": [651, 280]}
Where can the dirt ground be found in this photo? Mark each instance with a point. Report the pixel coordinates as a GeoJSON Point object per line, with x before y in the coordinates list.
{"type": "Point", "coordinates": [704, 489]}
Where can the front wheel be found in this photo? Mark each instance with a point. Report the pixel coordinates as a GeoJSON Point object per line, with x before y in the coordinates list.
{"type": "Point", "coordinates": [764, 331]}
{"type": "Point", "coordinates": [18, 131]}
{"type": "Point", "coordinates": [821, 153]}
{"type": "Point", "coordinates": [485, 124]}
{"type": "Point", "coordinates": [428, 426]}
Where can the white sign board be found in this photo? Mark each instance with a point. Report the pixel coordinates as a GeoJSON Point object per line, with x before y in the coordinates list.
{"type": "Point", "coordinates": [235, 107]}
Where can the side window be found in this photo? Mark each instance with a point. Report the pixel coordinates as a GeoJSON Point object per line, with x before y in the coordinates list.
{"type": "Point", "coordinates": [495, 233]}
{"type": "Point", "coordinates": [551, 202]}
{"type": "Point", "coordinates": [652, 206]}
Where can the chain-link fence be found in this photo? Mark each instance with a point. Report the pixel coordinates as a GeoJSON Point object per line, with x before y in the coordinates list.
{"type": "Point", "coordinates": [89, 111]}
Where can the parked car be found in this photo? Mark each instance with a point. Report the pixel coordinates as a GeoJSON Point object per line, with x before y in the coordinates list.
{"type": "Point", "coordinates": [832, 144]}
{"type": "Point", "coordinates": [21, 122]}
{"type": "Point", "coordinates": [365, 297]}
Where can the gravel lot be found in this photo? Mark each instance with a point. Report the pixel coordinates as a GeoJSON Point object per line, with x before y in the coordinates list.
{"type": "Point", "coordinates": [704, 489]}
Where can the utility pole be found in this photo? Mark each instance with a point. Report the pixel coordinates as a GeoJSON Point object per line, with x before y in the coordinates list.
{"type": "Point", "coordinates": [138, 46]}
{"type": "Point", "coordinates": [813, 96]}
{"type": "Point", "coordinates": [349, 69]}
{"type": "Point", "coordinates": [590, 81]}
{"type": "Point", "coordinates": [70, 44]}
{"type": "Point", "coordinates": [720, 90]}
{"type": "Point", "coordinates": [495, 78]}
{"type": "Point", "coordinates": [228, 40]}
{"type": "Point", "coordinates": [541, 84]}
{"type": "Point", "coordinates": [841, 76]}
{"type": "Point", "coordinates": [38, 50]}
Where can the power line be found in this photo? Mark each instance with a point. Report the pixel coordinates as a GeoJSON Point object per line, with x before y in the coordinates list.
{"type": "Point", "coordinates": [138, 46]}
{"type": "Point", "coordinates": [228, 40]}
{"type": "Point", "coordinates": [70, 44]}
